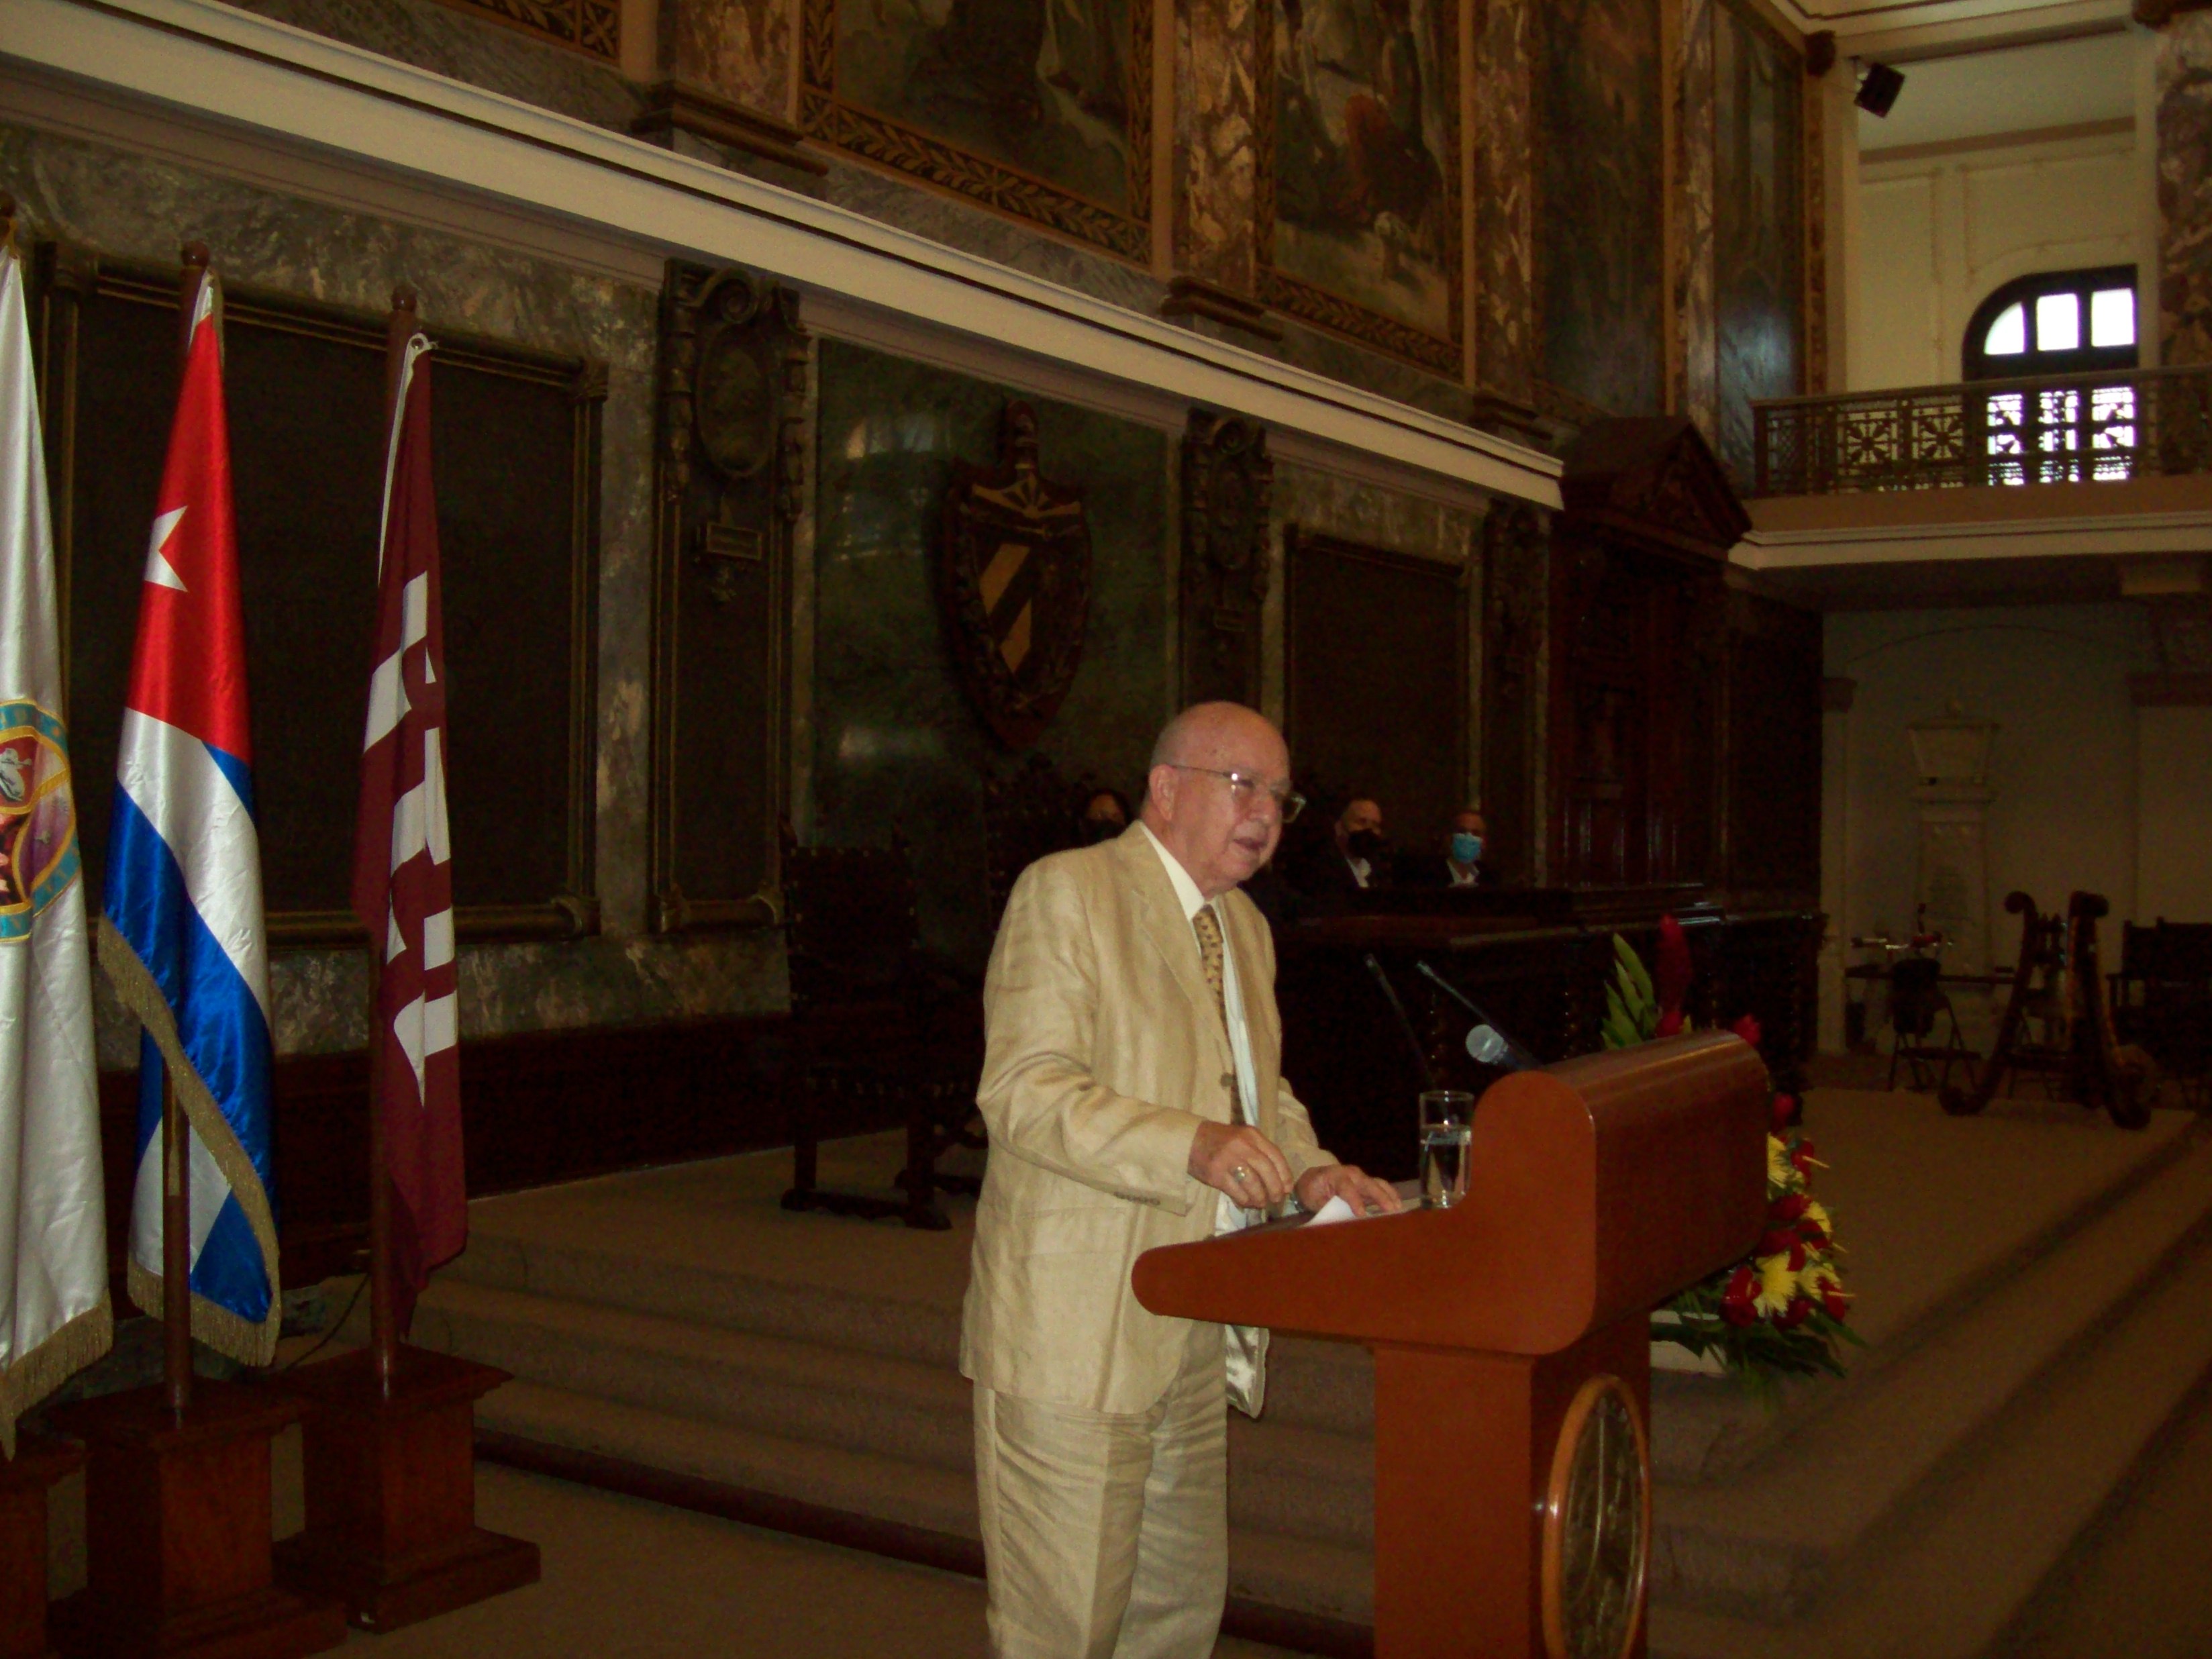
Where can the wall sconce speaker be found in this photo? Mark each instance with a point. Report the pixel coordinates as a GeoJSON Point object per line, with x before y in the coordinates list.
{"type": "Point", "coordinates": [1878, 88]}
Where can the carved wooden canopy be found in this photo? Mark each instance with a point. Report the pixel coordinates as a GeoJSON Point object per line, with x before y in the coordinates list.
{"type": "Point", "coordinates": [1654, 481]}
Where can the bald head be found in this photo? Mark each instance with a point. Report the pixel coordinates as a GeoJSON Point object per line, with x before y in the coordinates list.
{"type": "Point", "coordinates": [1207, 729]}
{"type": "Point", "coordinates": [1212, 798]}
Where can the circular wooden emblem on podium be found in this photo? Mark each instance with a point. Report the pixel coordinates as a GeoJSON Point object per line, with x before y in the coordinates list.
{"type": "Point", "coordinates": [1597, 1526]}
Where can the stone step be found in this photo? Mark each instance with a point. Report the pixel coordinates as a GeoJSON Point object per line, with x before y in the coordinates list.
{"type": "Point", "coordinates": [1704, 1430]}
{"type": "Point", "coordinates": [1945, 1577]}
{"type": "Point", "coordinates": [653, 1282]}
{"type": "Point", "coordinates": [1760, 1544]}
{"type": "Point", "coordinates": [1287, 1477]}
{"type": "Point", "coordinates": [795, 1391]}
{"type": "Point", "coordinates": [1305, 1575]}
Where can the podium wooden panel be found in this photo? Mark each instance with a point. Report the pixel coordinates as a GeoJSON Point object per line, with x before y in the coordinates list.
{"type": "Point", "coordinates": [1512, 1358]}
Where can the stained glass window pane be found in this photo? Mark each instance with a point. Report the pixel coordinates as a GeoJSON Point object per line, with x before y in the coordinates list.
{"type": "Point", "coordinates": [2057, 322]}
{"type": "Point", "coordinates": [2007, 335]}
{"type": "Point", "coordinates": [2112, 317]}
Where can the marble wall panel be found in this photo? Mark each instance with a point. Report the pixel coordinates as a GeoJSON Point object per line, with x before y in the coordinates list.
{"type": "Point", "coordinates": [431, 35]}
{"type": "Point", "coordinates": [1691, 206]}
{"type": "Point", "coordinates": [1215, 59]}
{"type": "Point", "coordinates": [2184, 189]}
{"type": "Point", "coordinates": [896, 745]}
{"type": "Point", "coordinates": [1502, 201]}
{"type": "Point", "coordinates": [740, 49]}
{"type": "Point", "coordinates": [1757, 226]}
{"type": "Point", "coordinates": [1600, 231]}
{"type": "Point", "coordinates": [122, 203]}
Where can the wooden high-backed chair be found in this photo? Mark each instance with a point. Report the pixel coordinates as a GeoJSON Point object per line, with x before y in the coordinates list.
{"type": "Point", "coordinates": [879, 1036]}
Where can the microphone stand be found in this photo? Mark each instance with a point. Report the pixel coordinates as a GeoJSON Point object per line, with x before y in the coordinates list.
{"type": "Point", "coordinates": [1390, 995]}
{"type": "Point", "coordinates": [1520, 1057]}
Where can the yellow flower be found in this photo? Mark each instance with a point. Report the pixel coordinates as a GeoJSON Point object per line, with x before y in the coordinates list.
{"type": "Point", "coordinates": [1780, 1171]}
{"type": "Point", "coordinates": [1817, 1213]}
{"type": "Point", "coordinates": [1777, 1284]}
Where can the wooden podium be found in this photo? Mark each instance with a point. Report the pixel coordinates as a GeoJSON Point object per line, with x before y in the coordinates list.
{"type": "Point", "coordinates": [1512, 1356]}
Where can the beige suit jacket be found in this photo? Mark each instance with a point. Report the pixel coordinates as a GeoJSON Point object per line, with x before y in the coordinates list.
{"type": "Point", "coordinates": [1105, 1052]}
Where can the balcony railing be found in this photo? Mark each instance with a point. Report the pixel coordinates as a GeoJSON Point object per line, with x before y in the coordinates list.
{"type": "Point", "coordinates": [2054, 429]}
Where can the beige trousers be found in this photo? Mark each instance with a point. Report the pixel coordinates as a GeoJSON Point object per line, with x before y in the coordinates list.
{"type": "Point", "coordinates": [1106, 1536]}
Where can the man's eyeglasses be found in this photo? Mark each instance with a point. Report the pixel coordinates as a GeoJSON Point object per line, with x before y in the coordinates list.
{"type": "Point", "coordinates": [1244, 789]}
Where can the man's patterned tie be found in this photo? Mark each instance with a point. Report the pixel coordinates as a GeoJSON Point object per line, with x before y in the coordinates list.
{"type": "Point", "coordinates": [1210, 956]}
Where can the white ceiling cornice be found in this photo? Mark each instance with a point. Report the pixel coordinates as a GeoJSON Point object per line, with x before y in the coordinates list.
{"type": "Point", "coordinates": [235, 70]}
{"type": "Point", "coordinates": [2112, 535]}
{"type": "Point", "coordinates": [1903, 30]}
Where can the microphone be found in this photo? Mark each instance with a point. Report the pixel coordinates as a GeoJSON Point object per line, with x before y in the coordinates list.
{"type": "Point", "coordinates": [1486, 1044]}
{"type": "Point", "coordinates": [1390, 995]}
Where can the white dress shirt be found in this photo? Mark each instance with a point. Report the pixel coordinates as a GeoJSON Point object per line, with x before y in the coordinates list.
{"type": "Point", "coordinates": [1243, 1346]}
{"type": "Point", "coordinates": [1232, 998]}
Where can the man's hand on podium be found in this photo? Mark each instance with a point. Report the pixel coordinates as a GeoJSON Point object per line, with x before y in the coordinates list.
{"type": "Point", "coordinates": [1363, 1192]}
{"type": "Point", "coordinates": [1235, 1158]}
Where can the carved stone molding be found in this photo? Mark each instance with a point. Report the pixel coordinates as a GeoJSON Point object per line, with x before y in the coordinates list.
{"type": "Point", "coordinates": [591, 27]}
{"type": "Point", "coordinates": [731, 415]}
{"type": "Point", "coordinates": [1228, 481]}
{"type": "Point", "coordinates": [675, 107]}
{"type": "Point", "coordinates": [1189, 297]}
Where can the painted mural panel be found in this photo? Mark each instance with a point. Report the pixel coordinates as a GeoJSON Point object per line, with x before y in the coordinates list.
{"type": "Point", "coordinates": [1359, 184]}
{"type": "Point", "coordinates": [1758, 224]}
{"type": "Point", "coordinates": [1600, 240]}
{"type": "Point", "coordinates": [1040, 108]}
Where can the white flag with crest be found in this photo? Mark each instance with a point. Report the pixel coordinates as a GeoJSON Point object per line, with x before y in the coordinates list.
{"type": "Point", "coordinates": [54, 1315]}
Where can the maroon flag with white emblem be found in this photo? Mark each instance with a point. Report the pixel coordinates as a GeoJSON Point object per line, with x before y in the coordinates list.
{"type": "Point", "coordinates": [403, 879]}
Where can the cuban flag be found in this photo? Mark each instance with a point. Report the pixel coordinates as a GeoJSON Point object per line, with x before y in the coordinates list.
{"type": "Point", "coordinates": [182, 936]}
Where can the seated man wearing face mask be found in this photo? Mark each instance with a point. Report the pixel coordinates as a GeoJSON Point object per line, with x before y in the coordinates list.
{"type": "Point", "coordinates": [1359, 839]}
{"type": "Point", "coordinates": [1460, 866]}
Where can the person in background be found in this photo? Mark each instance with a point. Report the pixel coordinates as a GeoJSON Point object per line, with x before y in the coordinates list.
{"type": "Point", "coordinates": [1105, 815]}
{"type": "Point", "coordinates": [1360, 841]}
{"type": "Point", "coordinates": [1463, 864]}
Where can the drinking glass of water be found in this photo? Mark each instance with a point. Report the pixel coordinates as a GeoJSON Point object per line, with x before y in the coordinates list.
{"type": "Point", "coordinates": [1447, 1126]}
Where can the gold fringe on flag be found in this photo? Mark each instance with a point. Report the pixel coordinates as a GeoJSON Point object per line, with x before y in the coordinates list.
{"type": "Point", "coordinates": [217, 1326]}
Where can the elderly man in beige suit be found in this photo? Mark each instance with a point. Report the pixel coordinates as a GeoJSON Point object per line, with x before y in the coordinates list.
{"type": "Point", "coordinates": [1132, 1088]}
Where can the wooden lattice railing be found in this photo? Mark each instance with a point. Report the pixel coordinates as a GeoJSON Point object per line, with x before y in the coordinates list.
{"type": "Point", "coordinates": [2055, 429]}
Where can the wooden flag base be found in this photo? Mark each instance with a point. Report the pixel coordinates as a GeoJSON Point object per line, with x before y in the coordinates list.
{"type": "Point", "coordinates": [391, 1483]}
{"type": "Point", "coordinates": [177, 1532]}
{"type": "Point", "coordinates": [39, 1461]}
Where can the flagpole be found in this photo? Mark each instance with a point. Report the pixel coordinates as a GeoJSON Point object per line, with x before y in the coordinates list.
{"type": "Point", "coordinates": [383, 1318]}
{"type": "Point", "coordinates": [176, 1163]}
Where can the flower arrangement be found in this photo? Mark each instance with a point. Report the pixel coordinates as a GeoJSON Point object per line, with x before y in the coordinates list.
{"type": "Point", "coordinates": [1780, 1311]}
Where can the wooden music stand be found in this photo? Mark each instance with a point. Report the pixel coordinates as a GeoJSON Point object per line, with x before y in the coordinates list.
{"type": "Point", "coordinates": [1512, 1353]}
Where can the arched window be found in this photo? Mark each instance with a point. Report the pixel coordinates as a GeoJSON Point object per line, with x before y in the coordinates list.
{"type": "Point", "coordinates": [2058, 323]}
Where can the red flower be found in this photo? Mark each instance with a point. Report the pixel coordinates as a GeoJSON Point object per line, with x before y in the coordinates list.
{"type": "Point", "coordinates": [1748, 1028]}
{"type": "Point", "coordinates": [1816, 1238]}
{"type": "Point", "coordinates": [1787, 1208]}
{"type": "Point", "coordinates": [1670, 1023]}
{"type": "Point", "coordinates": [1777, 1243]}
{"type": "Point", "coordinates": [1804, 1155]}
{"type": "Point", "coordinates": [1799, 1310]}
{"type": "Point", "coordinates": [1736, 1301]}
{"type": "Point", "coordinates": [1670, 972]}
{"type": "Point", "coordinates": [1834, 1302]}
{"type": "Point", "coordinates": [1785, 1111]}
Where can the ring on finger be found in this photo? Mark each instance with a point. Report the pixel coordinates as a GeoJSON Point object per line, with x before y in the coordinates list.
{"type": "Point", "coordinates": [1240, 1174]}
